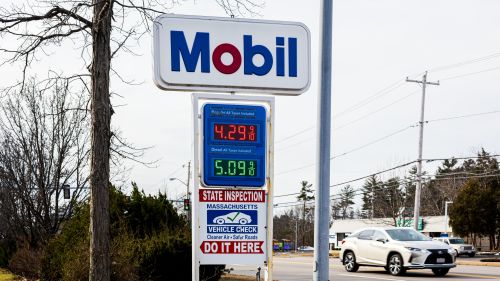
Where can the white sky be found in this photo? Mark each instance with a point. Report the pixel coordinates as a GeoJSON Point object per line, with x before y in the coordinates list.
{"type": "Point", "coordinates": [376, 44]}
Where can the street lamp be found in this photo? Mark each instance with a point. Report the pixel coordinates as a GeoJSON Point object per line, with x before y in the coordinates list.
{"type": "Point", "coordinates": [446, 216]}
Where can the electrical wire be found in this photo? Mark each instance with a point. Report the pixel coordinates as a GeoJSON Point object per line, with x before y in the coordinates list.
{"type": "Point", "coordinates": [372, 98]}
{"type": "Point", "coordinates": [470, 73]}
{"type": "Point", "coordinates": [372, 142]}
{"type": "Point", "coordinates": [455, 65]}
{"type": "Point", "coordinates": [360, 192]}
{"type": "Point", "coordinates": [375, 111]}
{"type": "Point", "coordinates": [463, 116]}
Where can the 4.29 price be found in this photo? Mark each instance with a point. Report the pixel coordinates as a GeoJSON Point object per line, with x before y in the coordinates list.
{"type": "Point", "coordinates": [238, 132]}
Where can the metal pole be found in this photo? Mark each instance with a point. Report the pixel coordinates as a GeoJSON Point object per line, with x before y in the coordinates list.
{"type": "Point", "coordinates": [322, 211]}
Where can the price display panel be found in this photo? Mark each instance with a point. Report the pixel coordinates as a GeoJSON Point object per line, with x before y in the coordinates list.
{"type": "Point", "coordinates": [234, 145]}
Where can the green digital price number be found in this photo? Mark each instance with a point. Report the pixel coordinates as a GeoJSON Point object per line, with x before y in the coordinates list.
{"type": "Point", "coordinates": [226, 167]}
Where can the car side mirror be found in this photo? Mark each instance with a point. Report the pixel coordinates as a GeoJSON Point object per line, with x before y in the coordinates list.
{"type": "Point", "coordinates": [382, 240]}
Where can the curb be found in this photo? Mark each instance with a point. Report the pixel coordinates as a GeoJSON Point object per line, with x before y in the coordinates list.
{"type": "Point", "coordinates": [478, 263]}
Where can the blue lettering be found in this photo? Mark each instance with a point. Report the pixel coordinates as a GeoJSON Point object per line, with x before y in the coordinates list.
{"type": "Point", "coordinates": [250, 51]}
{"type": "Point", "coordinates": [280, 56]}
{"type": "Point", "coordinates": [292, 57]}
{"type": "Point", "coordinates": [201, 47]}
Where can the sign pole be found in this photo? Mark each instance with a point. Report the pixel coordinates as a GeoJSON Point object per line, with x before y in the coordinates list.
{"type": "Point", "coordinates": [195, 196]}
{"type": "Point", "coordinates": [270, 194]}
{"type": "Point", "coordinates": [322, 211]}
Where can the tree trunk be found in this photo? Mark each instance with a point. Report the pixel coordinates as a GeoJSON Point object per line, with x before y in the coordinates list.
{"type": "Point", "coordinates": [101, 133]}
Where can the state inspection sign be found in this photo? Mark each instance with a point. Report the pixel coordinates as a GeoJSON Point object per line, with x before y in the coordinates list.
{"type": "Point", "coordinates": [232, 226]}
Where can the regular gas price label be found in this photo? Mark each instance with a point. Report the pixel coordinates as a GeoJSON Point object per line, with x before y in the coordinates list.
{"type": "Point", "coordinates": [232, 226]}
{"type": "Point", "coordinates": [234, 145]}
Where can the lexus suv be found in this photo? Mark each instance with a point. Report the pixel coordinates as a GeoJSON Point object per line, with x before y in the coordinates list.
{"type": "Point", "coordinates": [397, 250]}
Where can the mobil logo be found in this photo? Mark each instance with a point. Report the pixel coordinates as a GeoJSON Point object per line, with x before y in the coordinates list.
{"type": "Point", "coordinates": [199, 53]}
{"type": "Point", "coordinates": [193, 53]}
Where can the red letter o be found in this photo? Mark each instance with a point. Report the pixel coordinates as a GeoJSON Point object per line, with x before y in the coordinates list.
{"type": "Point", "coordinates": [217, 58]}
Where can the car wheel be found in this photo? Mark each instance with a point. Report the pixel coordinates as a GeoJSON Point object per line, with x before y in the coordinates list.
{"type": "Point", "coordinates": [395, 265]}
{"type": "Point", "coordinates": [472, 255]}
{"type": "Point", "coordinates": [440, 271]}
{"type": "Point", "coordinates": [350, 264]}
{"type": "Point", "coordinates": [219, 221]}
{"type": "Point", "coordinates": [243, 221]}
{"type": "Point", "coordinates": [456, 252]}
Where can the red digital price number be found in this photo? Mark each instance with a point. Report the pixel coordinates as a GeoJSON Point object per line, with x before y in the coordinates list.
{"type": "Point", "coordinates": [237, 132]}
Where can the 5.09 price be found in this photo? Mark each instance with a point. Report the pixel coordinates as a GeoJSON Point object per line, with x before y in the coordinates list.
{"type": "Point", "coordinates": [225, 167]}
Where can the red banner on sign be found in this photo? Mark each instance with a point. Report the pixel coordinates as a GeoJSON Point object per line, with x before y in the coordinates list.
{"type": "Point", "coordinates": [246, 196]}
{"type": "Point", "coordinates": [232, 247]}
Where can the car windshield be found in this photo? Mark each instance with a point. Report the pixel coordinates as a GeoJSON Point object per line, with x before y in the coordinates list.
{"type": "Point", "coordinates": [457, 241]}
{"type": "Point", "coordinates": [406, 235]}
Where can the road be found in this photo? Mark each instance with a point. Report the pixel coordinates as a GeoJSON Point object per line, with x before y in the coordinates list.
{"type": "Point", "coordinates": [300, 268]}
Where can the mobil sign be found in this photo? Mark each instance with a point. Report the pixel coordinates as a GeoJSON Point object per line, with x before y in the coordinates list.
{"type": "Point", "coordinates": [196, 53]}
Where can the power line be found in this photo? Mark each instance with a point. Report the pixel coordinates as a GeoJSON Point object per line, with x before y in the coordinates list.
{"type": "Point", "coordinates": [463, 116]}
{"type": "Point", "coordinates": [360, 192]}
{"type": "Point", "coordinates": [372, 98]}
{"type": "Point", "coordinates": [372, 142]}
{"type": "Point", "coordinates": [375, 111]}
{"type": "Point", "coordinates": [461, 158]}
{"type": "Point", "coordinates": [400, 83]}
{"type": "Point", "coordinates": [295, 134]}
{"type": "Point", "coordinates": [354, 107]}
{"type": "Point", "coordinates": [350, 151]}
{"type": "Point", "coordinates": [470, 73]}
{"type": "Point", "coordinates": [454, 65]}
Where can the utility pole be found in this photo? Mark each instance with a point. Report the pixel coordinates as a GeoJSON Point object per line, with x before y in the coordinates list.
{"type": "Point", "coordinates": [322, 210]}
{"type": "Point", "coordinates": [188, 215]}
{"type": "Point", "coordinates": [296, 232]}
{"type": "Point", "coordinates": [416, 209]}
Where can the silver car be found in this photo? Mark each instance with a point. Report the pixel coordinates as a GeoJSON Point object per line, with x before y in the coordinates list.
{"type": "Point", "coordinates": [397, 250]}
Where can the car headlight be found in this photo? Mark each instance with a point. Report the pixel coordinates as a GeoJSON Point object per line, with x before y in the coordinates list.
{"type": "Point", "coordinates": [451, 251]}
{"type": "Point", "coordinates": [417, 250]}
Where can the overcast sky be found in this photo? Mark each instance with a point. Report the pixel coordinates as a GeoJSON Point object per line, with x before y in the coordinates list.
{"type": "Point", "coordinates": [376, 44]}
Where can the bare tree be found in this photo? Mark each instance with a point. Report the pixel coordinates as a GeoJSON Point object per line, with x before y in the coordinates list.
{"type": "Point", "coordinates": [43, 147]}
{"type": "Point", "coordinates": [103, 27]}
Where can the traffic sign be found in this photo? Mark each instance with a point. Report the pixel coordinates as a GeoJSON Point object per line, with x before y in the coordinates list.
{"type": "Point", "coordinates": [234, 145]}
{"type": "Point", "coordinates": [232, 226]}
{"type": "Point", "coordinates": [195, 53]}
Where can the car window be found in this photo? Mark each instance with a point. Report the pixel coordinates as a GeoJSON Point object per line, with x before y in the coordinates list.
{"type": "Point", "coordinates": [457, 241]}
{"type": "Point", "coordinates": [405, 234]}
{"type": "Point", "coordinates": [365, 234]}
{"type": "Point", "coordinates": [378, 235]}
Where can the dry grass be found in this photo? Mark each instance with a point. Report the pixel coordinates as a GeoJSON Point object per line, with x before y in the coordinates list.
{"type": "Point", "coordinates": [6, 276]}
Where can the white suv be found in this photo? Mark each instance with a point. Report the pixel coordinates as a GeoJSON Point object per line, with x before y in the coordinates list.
{"type": "Point", "coordinates": [459, 245]}
{"type": "Point", "coordinates": [397, 250]}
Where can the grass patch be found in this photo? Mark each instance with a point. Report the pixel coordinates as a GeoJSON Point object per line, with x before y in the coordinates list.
{"type": "Point", "coordinates": [6, 276]}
